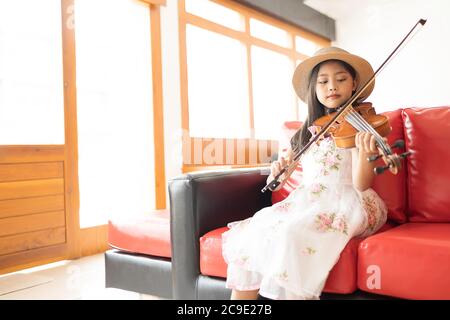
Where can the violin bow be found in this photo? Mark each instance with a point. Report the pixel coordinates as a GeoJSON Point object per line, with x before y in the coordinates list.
{"type": "Point", "coordinates": [275, 182]}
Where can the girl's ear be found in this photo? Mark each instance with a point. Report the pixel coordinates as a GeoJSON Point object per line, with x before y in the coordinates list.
{"type": "Point", "coordinates": [354, 85]}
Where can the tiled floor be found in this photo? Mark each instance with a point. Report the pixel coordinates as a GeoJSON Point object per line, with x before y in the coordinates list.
{"type": "Point", "coordinates": [65, 280]}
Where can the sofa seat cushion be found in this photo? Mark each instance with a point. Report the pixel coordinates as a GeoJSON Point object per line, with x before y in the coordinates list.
{"type": "Point", "coordinates": [342, 278]}
{"type": "Point", "coordinates": [410, 261]}
{"type": "Point", "coordinates": [148, 235]}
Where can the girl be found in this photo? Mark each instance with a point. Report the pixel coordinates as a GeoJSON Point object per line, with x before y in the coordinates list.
{"type": "Point", "coordinates": [287, 250]}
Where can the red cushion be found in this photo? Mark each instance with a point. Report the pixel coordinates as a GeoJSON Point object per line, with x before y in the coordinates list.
{"type": "Point", "coordinates": [411, 261]}
{"type": "Point", "coordinates": [342, 278]}
{"type": "Point", "coordinates": [211, 259]}
{"type": "Point", "coordinates": [426, 132]}
{"type": "Point", "coordinates": [392, 188]}
{"type": "Point", "coordinates": [148, 235]}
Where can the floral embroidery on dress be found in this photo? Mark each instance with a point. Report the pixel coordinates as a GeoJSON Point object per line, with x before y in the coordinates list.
{"type": "Point", "coordinates": [308, 251]}
{"type": "Point", "coordinates": [283, 276]}
{"type": "Point", "coordinates": [330, 162]}
{"type": "Point", "coordinates": [317, 188]}
{"type": "Point", "coordinates": [275, 227]}
{"type": "Point", "coordinates": [328, 157]}
{"type": "Point", "coordinates": [242, 260]}
{"type": "Point", "coordinates": [329, 222]}
{"type": "Point", "coordinates": [283, 207]}
{"type": "Point", "coordinates": [370, 207]}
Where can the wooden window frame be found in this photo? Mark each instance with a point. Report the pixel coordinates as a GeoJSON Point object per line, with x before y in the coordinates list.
{"type": "Point", "coordinates": [87, 241]}
{"type": "Point", "coordinates": [248, 147]}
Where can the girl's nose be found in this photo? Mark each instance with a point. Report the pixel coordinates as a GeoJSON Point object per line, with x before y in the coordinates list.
{"type": "Point", "coordinates": [332, 86]}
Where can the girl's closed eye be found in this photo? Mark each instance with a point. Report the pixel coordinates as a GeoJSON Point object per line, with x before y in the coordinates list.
{"type": "Point", "coordinates": [342, 80]}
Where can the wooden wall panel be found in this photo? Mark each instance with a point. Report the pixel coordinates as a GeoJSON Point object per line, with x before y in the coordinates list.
{"type": "Point", "coordinates": [31, 171]}
{"type": "Point", "coordinates": [32, 240]}
{"type": "Point", "coordinates": [32, 258]}
{"type": "Point", "coordinates": [33, 222]}
{"type": "Point", "coordinates": [20, 207]}
{"type": "Point", "coordinates": [32, 204]}
{"type": "Point", "coordinates": [31, 188]}
{"type": "Point", "coordinates": [25, 154]}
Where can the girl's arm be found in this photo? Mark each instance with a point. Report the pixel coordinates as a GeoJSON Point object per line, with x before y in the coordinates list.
{"type": "Point", "coordinates": [363, 173]}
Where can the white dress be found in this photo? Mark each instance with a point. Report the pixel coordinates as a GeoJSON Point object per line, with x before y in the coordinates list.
{"type": "Point", "coordinates": [287, 250]}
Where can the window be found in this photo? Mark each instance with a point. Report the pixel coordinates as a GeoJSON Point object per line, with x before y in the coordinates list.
{"type": "Point", "coordinates": [216, 13]}
{"type": "Point", "coordinates": [115, 114]}
{"type": "Point", "coordinates": [237, 67]}
{"type": "Point", "coordinates": [305, 46]}
{"type": "Point", "coordinates": [31, 86]}
{"type": "Point", "coordinates": [269, 33]}
{"type": "Point", "coordinates": [272, 96]}
{"type": "Point", "coordinates": [217, 85]}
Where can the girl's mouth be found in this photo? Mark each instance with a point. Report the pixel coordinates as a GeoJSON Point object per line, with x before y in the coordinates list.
{"type": "Point", "coordinates": [333, 96]}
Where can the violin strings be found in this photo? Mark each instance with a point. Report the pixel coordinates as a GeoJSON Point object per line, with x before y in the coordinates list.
{"type": "Point", "coordinates": [378, 137]}
{"type": "Point", "coordinates": [361, 124]}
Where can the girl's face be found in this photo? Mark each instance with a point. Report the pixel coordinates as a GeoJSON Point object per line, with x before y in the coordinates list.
{"type": "Point", "coordinates": [335, 84]}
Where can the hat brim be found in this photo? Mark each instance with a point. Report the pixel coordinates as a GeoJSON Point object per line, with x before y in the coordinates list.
{"type": "Point", "coordinates": [364, 72]}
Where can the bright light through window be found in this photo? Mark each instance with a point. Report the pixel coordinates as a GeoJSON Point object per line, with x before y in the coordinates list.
{"type": "Point", "coordinates": [217, 85]}
{"type": "Point", "coordinates": [269, 33]}
{"type": "Point", "coordinates": [305, 46]}
{"type": "Point", "coordinates": [273, 97]}
{"type": "Point", "coordinates": [31, 82]}
{"type": "Point", "coordinates": [115, 114]}
{"type": "Point", "coordinates": [216, 13]}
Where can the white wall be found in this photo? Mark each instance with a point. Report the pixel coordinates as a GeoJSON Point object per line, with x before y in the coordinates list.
{"type": "Point", "coordinates": [418, 75]}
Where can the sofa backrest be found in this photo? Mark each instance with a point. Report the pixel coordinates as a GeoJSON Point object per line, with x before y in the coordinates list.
{"type": "Point", "coordinates": [391, 188]}
{"type": "Point", "coordinates": [427, 136]}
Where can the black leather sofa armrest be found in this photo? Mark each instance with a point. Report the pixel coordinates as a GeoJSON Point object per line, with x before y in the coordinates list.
{"type": "Point", "coordinates": [201, 202]}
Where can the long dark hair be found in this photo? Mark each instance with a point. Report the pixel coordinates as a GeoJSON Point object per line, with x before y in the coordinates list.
{"type": "Point", "coordinates": [315, 108]}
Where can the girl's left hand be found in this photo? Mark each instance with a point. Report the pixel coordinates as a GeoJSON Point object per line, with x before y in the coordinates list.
{"type": "Point", "coordinates": [365, 142]}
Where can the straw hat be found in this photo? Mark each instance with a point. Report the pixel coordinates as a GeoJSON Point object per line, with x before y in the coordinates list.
{"type": "Point", "coordinates": [363, 70]}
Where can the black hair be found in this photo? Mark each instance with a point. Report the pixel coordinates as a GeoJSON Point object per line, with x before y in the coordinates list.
{"type": "Point", "coordinates": [315, 108]}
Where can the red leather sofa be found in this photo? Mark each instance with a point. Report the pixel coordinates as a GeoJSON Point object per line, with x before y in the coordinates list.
{"type": "Point", "coordinates": [408, 258]}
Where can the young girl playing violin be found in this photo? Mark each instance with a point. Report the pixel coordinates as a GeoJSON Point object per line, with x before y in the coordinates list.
{"type": "Point", "coordinates": [286, 251]}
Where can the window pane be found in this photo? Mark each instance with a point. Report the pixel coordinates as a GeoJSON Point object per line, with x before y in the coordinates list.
{"type": "Point", "coordinates": [305, 46]}
{"type": "Point", "coordinates": [302, 107]}
{"type": "Point", "coordinates": [302, 110]}
{"type": "Point", "coordinates": [31, 83]}
{"type": "Point", "coordinates": [269, 33]}
{"type": "Point", "coordinates": [216, 13]}
{"type": "Point", "coordinates": [273, 98]}
{"type": "Point", "coordinates": [114, 101]}
{"type": "Point", "coordinates": [217, 85]}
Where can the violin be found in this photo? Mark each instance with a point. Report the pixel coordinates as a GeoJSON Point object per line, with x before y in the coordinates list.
{"type": "Point", "coordinates": [364, 118]}
{"type": "Point", "coordinates": [355, 120]}
{"type": "Point", "coordinates": [347, 121]}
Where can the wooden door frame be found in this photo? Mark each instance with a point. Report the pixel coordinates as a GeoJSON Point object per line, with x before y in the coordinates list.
{"type": "Point", "coordinates": [87, 241]}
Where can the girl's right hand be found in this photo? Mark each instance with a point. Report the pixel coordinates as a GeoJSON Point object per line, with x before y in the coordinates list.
{"type": "Point", "coordinates": [277, 166]}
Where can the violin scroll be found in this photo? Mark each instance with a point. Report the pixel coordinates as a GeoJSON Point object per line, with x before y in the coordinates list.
{"type": "Point", "coordinates": [392, 160]}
